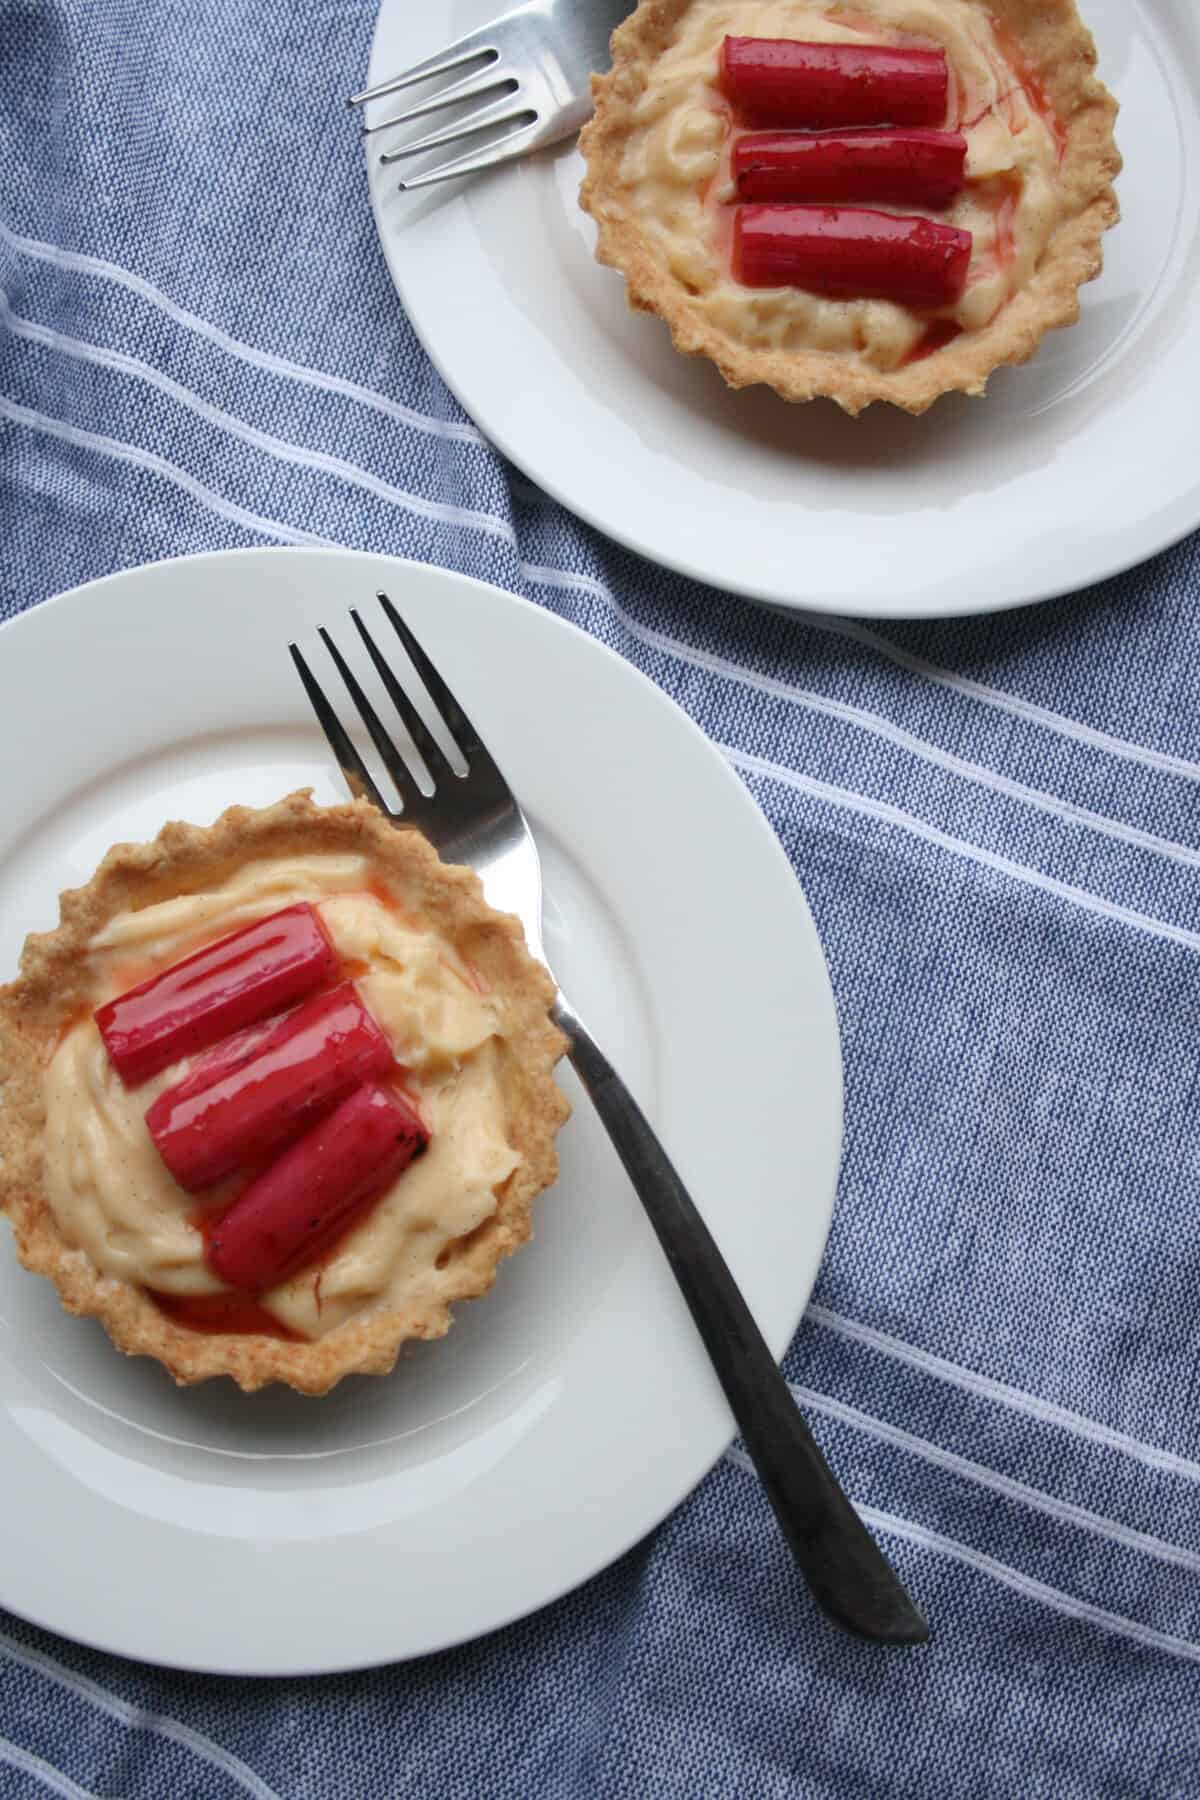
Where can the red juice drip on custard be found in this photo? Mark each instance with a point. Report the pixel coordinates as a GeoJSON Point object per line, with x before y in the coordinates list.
{"type": "Point", "coordinates": [1026, 85]}
{"type": "Point", "coordinates": [379, 890]}
{"type": "Point", "coordinates": [1033, 88]}
{"type": "Point", "coordinates": [935, 337]}
{"type": "Point", "coordinates": [222, 1315]}
{"type": "Point", "coordinates": [354, 969]}
{"type": "Point", "coordinates": [1006, 245]}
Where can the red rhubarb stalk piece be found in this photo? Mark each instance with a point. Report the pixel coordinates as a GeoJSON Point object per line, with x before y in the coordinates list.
{"type": "Point", "coordinates": [901, 167]}
{"type": "Point", "coordinates": [303, 1065]}
{"type": "Point", "coordinates": [196, 1002]}
{"type": "Point", "coordinates": [298, 1207]}
{"type": "Point", "coordinates": [226, 1058]}
{"type": "Point", "coordinates": [776, 81]}
{"type": "Point", "coordinates": [850, 253]}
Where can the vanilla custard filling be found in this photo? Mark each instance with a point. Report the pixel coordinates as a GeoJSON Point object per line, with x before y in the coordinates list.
{"type": "Point", "coordinates": [676, 172]}
{"type": "Point", "coordinates": [110, 1191]}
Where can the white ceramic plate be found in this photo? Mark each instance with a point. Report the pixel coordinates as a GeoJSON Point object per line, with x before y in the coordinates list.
{"type": "Point", "coordinates": [569, 1411]}
{"type": "Point", "coordinates": [1079, 465]}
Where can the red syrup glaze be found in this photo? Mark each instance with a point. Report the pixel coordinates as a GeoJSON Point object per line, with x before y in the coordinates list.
{"type": "Point", "coordinates": [223, 1315]}
{"type": "Point", "coordinates": [1006, 246]}
{"type": "Point", "coordinates": [379, 890]}
{"type": "Point", "coordinates": [1026, 91]}
{"type": "Point", "coordinates": [938, 333]}
{"type": "Point", "coordinates": [1004, 249]}
{"type": "Point", "coordinates": [1032, 89]}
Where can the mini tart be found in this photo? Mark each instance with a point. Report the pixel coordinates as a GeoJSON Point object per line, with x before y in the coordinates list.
{"type": "Point", "coordinates": [657, 153]}
{"type": "Point", "coordinates": [56, 993]}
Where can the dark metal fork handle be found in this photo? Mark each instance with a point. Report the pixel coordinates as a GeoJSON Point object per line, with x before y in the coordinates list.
{"type": "Point", "coordinates": [847, 1572]}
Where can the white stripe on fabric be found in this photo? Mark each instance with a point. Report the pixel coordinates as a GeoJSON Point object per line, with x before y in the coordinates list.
{"type": "Point", "coordinates": [922, 748]}
{"type": "Point", "coordinates": [874, 723]}
{"type": "Point", "coordinates": [489, 524]}
{"type": "Point", "coordinates": [1065, 1511]}
{"type": "Point", "coordinates": [54, 1779]}
{"type": "Point", "coordinates": [442, 512]}
{"type": "Point", "coordinates": [986, 1388]}
{"type": "Point", "coordinates": [137, 1718]}
{"type": "Point", "coordinates": [585, 584]}
{"type": "Point", "coordinates": [1029, 1586]}
{"type": "Point", "coordinates": [741, 759]}
{"type": "Point", "coordinates": [78, 264]}
{"type": "Point", "coordinates": [146, 459]}
{"type": "Point", "coordinates": [1012, 704]}
{"type": "Point", "coordinates": [1002, 865]}
{"type": "Point", "coordinates": [1025, 1585]}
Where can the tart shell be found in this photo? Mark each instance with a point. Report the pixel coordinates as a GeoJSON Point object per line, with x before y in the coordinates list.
{"type": "Point", "coordinates": [52, 990]}
{"type": "Point", "coordinates": [1056, 46]}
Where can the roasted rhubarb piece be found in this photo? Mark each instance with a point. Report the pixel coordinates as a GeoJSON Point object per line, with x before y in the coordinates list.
{"type": "Point", "coordinates": [242, 978]}
{"type": "Point", "coordinates": [294, 1211]}
{"type": "Point", "coordinates": [776, 81]}
{"type": "Point", "coordinates": [309, 1060]}
{"type": "Point", "coordinates": [850, 253]}
{"type": "Point", "coordinates": [226, 1058]}
{"type": "Point", "coordinates": [907, 166]}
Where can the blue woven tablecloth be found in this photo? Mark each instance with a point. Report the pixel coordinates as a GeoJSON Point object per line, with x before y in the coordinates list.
{"type": "Point", "coordinates": [997, 827]}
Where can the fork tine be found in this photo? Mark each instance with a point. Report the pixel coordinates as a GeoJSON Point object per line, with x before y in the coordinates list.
{"type": "Point", "coordinates": [461, 728]}
{"type": "Point", "coordinates": [453, 56]}
{"type": "Point", "coordinates": [513, 145]}
{"type": "Point", "coordinates": [432, 752]}
{"type": "Point", "coordinates": [470, 87]}
{"type": "Point", "coordinates": [346, 756]}
{"type": "Point", "coordinates": [504, 112]}
{"type": "Point", "coordinates": [410, 794]}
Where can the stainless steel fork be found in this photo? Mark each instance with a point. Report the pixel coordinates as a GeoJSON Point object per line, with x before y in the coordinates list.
{"type": "Point", "coordinates": [475, 818]}
{"type": "Point", "coordinates": [531, 71]}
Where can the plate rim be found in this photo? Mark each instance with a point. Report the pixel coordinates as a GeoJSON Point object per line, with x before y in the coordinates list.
{"type": "Point", "coordinates": [831, 1051]}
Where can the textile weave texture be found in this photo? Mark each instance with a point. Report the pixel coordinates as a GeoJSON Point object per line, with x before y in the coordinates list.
{"type": "Point", "coordinates": [997, 825]}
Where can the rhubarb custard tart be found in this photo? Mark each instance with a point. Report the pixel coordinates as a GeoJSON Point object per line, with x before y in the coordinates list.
{"type": "Point", "coordinates": [882, 200]}
{"type": "Point", "coordinates": [275, 1094]}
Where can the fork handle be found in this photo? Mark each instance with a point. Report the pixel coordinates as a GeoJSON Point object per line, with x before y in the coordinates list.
{"type": "Point", "coordinates": [847, 1572]}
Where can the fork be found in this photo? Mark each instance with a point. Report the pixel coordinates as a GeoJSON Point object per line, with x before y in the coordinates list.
{"type": "Point", "coordinates": [476, 819]}
{"type": "Point", "coordinates": [532, 74]}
